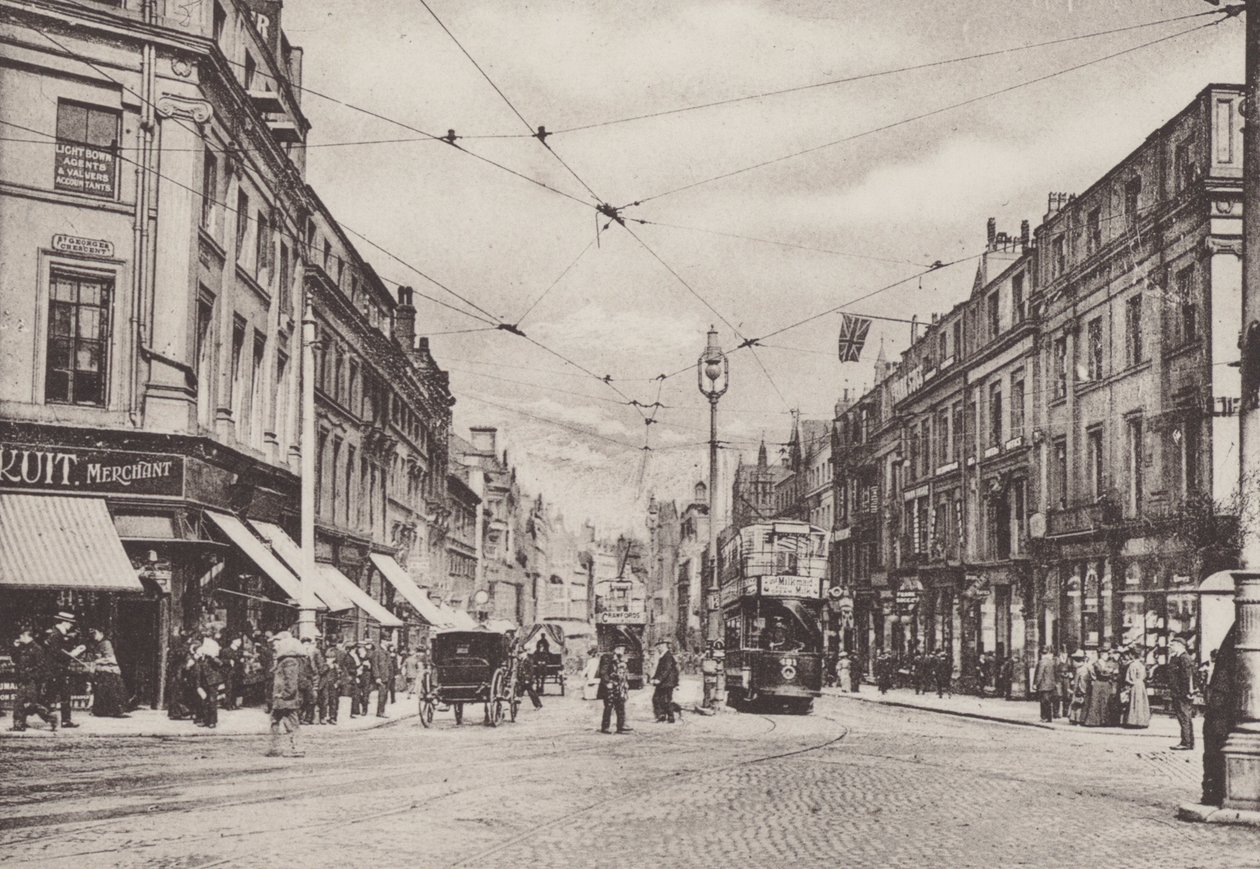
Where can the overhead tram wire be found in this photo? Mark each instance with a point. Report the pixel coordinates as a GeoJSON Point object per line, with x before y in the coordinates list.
{"type": "Point", "coordinates": [881, 73]}
{"type": "Point", "coordinates": [541, 135]}
{"type": "Point", "coordinates": [553, 284]}
{"type": "Point", "coordinates": [925, 115]}
{"type": "Point", "coordinates": [498, 324]}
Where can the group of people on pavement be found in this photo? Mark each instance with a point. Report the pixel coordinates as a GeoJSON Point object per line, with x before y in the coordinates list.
{"type": "Point", "coordinates": [926, 670]}
{"type": "Point", "coordinates": [45, 670]}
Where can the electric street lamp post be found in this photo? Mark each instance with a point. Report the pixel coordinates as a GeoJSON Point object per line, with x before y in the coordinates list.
{"type": "Point", "coordinates": [713, 374]}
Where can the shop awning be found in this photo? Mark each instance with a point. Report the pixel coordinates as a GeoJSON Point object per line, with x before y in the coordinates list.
{"type": "Point", "coordinates": [291, 554]}
{"type": "Point", "coordinates": [396, 576]}
{"type": "Point", "coordinates": [56, 541]}
{"type": "Point", "coordinates": [334, 578]}
{"type": "Point", "coordinates": [459, 619]}
{"type": "Point", "coordinates": [258, 553]}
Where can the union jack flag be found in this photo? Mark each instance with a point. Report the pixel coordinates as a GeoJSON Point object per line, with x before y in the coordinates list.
{"type": "Point", "coordinates": [853, 332]}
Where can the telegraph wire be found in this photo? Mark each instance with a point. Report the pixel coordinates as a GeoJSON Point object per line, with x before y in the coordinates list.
{"type": "Point", "coordinates": [558, 389]}
{"type": "Point", "coordinates": [567, 269]}
{"type": "Point", "coordinates": [929, 114]}
{"type": "Point", "coordinates": [541, 134]}
{"type": "Point", "coordinates": [886, 72]}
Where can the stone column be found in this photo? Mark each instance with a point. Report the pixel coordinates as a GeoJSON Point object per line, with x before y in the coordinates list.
{"type": "Point", "coordinates": [1242, 749]}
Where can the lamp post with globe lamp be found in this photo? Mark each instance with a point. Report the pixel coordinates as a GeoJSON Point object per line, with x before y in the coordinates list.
{"type": "Point", "coordinates": [713, 375]}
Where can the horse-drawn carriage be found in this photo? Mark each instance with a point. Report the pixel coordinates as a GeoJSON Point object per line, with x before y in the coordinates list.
{"type": "Point", "coordinates": [545, 645]}
{"type": "Point", "coordinates": [470, 666]}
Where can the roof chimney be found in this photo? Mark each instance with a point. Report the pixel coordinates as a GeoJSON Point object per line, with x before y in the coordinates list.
{"type": "Point", "coordinates": [991, 232]}
{"type": "Point", "coordinates": [1025, 234]}
{"type": "Point", "coordinates": [405, 319]}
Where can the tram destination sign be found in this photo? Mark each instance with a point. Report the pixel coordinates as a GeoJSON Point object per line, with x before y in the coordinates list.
{"type": "Point", "coordinates": [54, 468]}
{"type": "Point", "coordinates": [623, 617]}
{"type": "Point", "coordinates": [790, 586]}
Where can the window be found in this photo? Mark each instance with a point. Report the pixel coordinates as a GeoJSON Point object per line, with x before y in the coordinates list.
{"type": "Point", "coordinates": [1094, 455]}
{"type": "Point", "coordinates": [1093, 231]}
{"type": "Point", "coordinates": [1133, 329]}
{"type": "Point", "coordinates": [85, 159]}
{"type": "Point", "coordinates": [958, 430]}
{"type": "Point", "coordinates": [334, 476]}
{"type": "Point", "coordinates": [1018, 309]}
{"type": "Point", "coordinates": [205, 357]}
{"type": "Point", "coordinates": [1060, 367]}
{"type": "Point", "coordinates": [925, 446]}
{"type": "Point", "coordinates": [79, 309]}
{"type": "Point", "coordinates": [286, 279]}
{"type": "Point", "coordinates": [1058, 256]}
{"type": "Point", "coordinates": [220, 22]}
{"type": "Point", "coordinates": [251, 71]}
{"type": "Point", "coordinates": [242, 222]}
{"type": "Point", "coordinates": [1094, 338]}
{"type": "Point", "coordinates": [1190, 447]}
{"type": "Point", "coordinates": [281, 400]}
{"type": "Point", "coordinates": [1188, 308]}
{"type": "Point", "coordinates": [995, 324]}
{"type": "Point", "coordinates": [1184, 168]}
{"type": "Point", "coordinates": [921, 526]}
{"type": "Point", "coordinates": [943, 345]}
{"type": "Point", "coordinates": [972, 427]}
{"type": "Point", "coordinates": [257, 405]}
{"type": "Point", "coordinates": [958, 347]}
{"type": "Point", "coordinates": [262, 249]}
{"type": "Point", "coordinates": [238, 348]}
{"type": "Point", "coordinates": [209, 189]}
{"type": "Point", "coordinates": [995, 414]}
{"type": "Point", "coordinates": [1134, 426]}
{"type": "Point", "coordinates": [1017, 406]}
{"type": "Point", "coordinates": [328, 255]}
{"type": "Point", "coordinates": [1132, 198]}
{"type": "Point", "coordinates": [1061, 470]}
{"type": "Point", "coordinates": [320, 454]}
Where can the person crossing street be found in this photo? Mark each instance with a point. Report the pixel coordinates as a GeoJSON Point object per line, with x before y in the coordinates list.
{"type": "Point", "coordinates": [614, 686]}
{"type": "Point", "coordinates": [666, 680]}
{"type": "Point", "coordinates": [31, 674]}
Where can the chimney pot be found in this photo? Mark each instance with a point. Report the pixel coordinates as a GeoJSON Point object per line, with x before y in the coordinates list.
{"type": "Point", "coordinates": [991, 231]}
{"type": "Point", "coordinates": [1025, 234]}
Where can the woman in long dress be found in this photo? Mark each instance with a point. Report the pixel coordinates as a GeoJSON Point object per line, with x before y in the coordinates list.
{"type": "Point", "coordinates": [1137, 711]}
{"type": "Point", "coordinates": [1102, 709]}
{"type": "Point", "coordinates": [109, 695]}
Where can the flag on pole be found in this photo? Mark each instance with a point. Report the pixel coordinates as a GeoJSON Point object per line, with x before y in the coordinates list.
{"type": "Point", "coordinates": [853, 332]}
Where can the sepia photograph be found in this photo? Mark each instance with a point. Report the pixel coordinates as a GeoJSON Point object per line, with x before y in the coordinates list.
{"type": "Point", "coordinates": [567, 433]}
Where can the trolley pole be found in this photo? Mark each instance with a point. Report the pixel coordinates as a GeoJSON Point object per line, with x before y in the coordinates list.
{"type": "Point", "coordinates": [306, 617]}
{"type": "Point", "coordinates": [713, 374]}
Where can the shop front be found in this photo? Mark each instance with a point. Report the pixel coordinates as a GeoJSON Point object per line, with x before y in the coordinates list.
{"type": "Point", "coordinates": [992, 609]}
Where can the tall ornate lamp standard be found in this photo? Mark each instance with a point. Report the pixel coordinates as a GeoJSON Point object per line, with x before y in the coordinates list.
{"type": "Point", "coordinates": [713, 375]}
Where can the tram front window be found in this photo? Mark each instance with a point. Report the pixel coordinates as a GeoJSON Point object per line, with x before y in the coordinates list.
{"type": "Point", "coordinates": [789, 627]}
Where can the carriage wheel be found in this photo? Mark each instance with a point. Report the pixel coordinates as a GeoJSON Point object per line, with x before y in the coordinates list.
{"type": "Point", "coordinates": [426, 711]}
{"type": "Point", "coordinates": [459, 713]}
{"type": "Point", "coordinates": [494, 712]}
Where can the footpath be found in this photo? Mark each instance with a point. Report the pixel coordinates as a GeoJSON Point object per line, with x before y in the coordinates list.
{"type": "Point", "coordinates": [1026, 713]}
{"type": "Point", "coordinates": [154, 723]}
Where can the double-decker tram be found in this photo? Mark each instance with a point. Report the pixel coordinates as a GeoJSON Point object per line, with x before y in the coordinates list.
{"type": "Point", "coordinates": [772, 590]}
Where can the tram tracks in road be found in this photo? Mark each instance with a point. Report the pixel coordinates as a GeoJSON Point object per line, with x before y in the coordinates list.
{"type": "Point", "coordinates": [282, 791]}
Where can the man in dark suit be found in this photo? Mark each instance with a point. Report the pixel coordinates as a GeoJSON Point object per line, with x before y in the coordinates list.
{"type": "Point", "coordinates": [1046, 684]}
{"type": "Point", "coordinates": [63, 648]}
{"type": "Point", "coordinates": [382, 676]}
{"type": "Point", "coordinates": [1181, 671]}
{"type": "Point", "coordinates": [31, 672]}
{"type": "Point", "coordinates": [613, 688]}
{"type": "Point", "coordinates": [666, 680]}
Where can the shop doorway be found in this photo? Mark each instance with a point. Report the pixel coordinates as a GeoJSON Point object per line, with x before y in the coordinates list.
{"type": "Point", "coordinates": [136, 634]}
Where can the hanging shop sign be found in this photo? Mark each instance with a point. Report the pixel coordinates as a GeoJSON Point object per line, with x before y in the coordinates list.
{"type": "Point", "coordinates": [623, 617]}
{"type": "Point", "coordinates": [93, 247]}
{"type": "Point", "coordinates": [789, 586]}
{"type": "Point", "coordinates": [52, 468]}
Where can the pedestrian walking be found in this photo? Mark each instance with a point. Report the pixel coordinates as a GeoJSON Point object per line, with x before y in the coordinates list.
{"type": "Point", "coordinates": [526, 683]}
{"type": "Point", "coordinates": [590, 674]}
{"type": "Point", "coordinates": [289, 688]}
{"type": "Point", "coordinates": [411, 671]}
{"type": "Point", "coordinates": [32, 675]}
{"type": "Point", "coordinates": [1181, 691]}
{"type": "Point", "coordinates": [844, 672]}
{"type": "Point", "coordinates": [61, 642]}
{"type": "Point", "coordinates": [314, 664]}
{"type": "Point", "coordinates": [666, 680]}
{"type": "Point", "coordinates": [614, 687]}
{"type": "Point", "coordinates": [1065, 673]}
{"type": "Point", "coordinates": [382, 676]}
{"type": "Point", "coordinates": [233, 660]}
{"type": "Point", "coordinates": [884, 671]}
{"type": "Point", "coordinates": [109, 694]}
{"type": "Point", "coordinates": [1081, 681]}
{"type": "Point", "coordinates": [1134, 701]}
{"type": "Point", "coordinates": [857, 666]}
{"type": "Point", "coordinates": [358, 675]}
{"type": "Point", "coordinates": [207, 681]}
{"type": "Point", "coordinates": [944, 674]}
{"type": "Point", "coordinates": [395, 670]}
{"type": "Point", "coordinates": [1102, 708]}
{"type": "Point", "coordinates": [1046, 683]}
{"type": "Point", "coordinates": [330, 680]}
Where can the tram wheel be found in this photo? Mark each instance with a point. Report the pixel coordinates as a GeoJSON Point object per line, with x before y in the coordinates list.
{"type": "Point", "coordinates": [426, 712]}
{"type": "Point", "coordinates": [459, 713]}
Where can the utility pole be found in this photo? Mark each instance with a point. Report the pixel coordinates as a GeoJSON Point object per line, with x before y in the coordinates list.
{"type": "Point", "coordinates": [713, 375]}
{"type": "Point", "coordinates": [306, 617]}
{"type": "Point", "coordinates": [1242, 748]}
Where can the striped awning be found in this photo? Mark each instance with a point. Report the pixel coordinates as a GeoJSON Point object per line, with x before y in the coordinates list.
{"type": "Point", "coordinates": [396, 576]}
{"type": "Point", "coordinates": [338, 580]}
{"type": "Point", "coordinates": [259, 553]}
{"type": "Point", "coordinates": [56, 541]}
{"type": "Point", "coordinates": [291, 554]}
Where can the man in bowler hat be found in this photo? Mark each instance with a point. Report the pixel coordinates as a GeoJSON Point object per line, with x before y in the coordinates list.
{"type": "Point", "coordinates": [63, 647]}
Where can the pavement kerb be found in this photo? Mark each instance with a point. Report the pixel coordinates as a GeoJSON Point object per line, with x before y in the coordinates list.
{"type": "Point", "coordinates": [1197, 813]}
{"type": "Point", "coordinates": [201, 733]}
{"type": "Point", "coordinates": [958, 713]}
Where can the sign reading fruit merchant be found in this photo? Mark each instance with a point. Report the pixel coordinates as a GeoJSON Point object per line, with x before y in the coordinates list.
{"type": "Point", "coordinates": [72, 469]}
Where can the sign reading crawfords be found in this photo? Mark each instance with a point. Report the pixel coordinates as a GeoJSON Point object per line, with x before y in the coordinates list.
{"type": "Point", "coordinates": [57, 468]}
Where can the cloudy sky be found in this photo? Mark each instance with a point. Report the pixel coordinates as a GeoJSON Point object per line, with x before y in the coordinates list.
{"type": "Point", "coordinates": [850, 217]}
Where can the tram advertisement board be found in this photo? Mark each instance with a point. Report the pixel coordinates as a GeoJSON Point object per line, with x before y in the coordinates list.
{"type": "Point", "coordinates": [791, 586]}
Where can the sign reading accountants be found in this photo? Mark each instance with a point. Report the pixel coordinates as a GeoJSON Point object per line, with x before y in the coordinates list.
{"type": "Point", "coordinates": [71, 469]}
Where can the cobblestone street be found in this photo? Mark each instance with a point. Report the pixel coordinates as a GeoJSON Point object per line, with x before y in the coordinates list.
{"type": "Point", "coordinates": [853, 784]}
